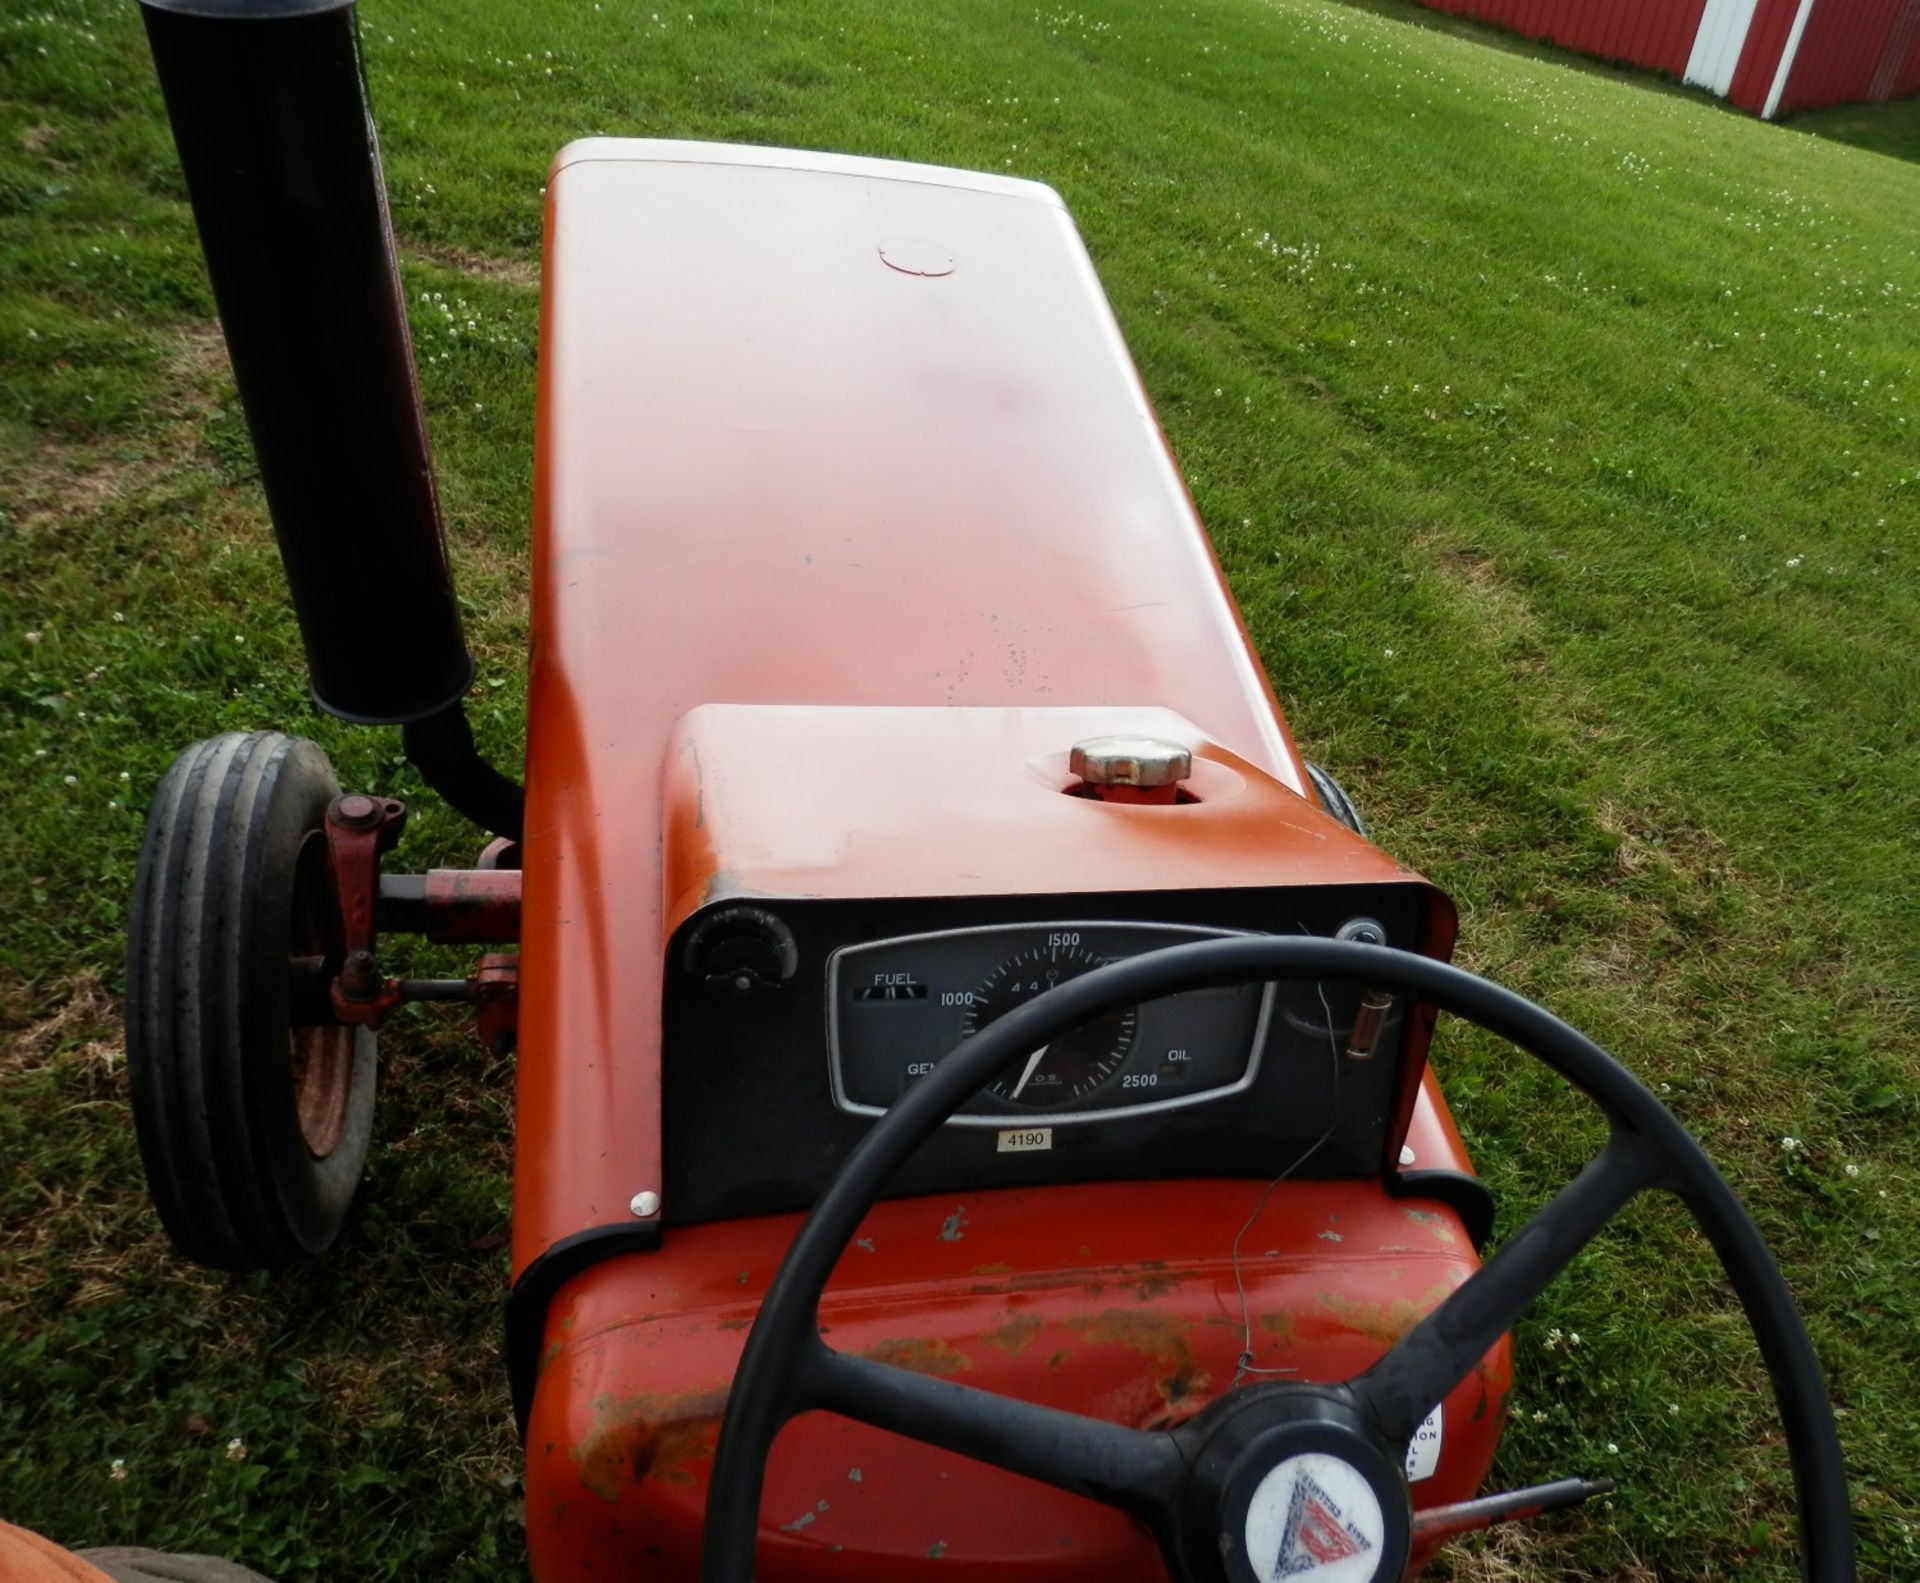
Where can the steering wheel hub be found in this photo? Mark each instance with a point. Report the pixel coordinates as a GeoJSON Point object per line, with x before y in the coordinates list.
{"type": "Point", "coordinates": [1315, 1514]}
{"type": "Point", "coordinates": [1292, 1483]}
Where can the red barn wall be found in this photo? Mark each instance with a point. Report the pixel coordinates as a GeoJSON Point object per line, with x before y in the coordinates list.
{"type": "Point", "coordinates": [1767, 37]}
{"type": "Point", "coordinates": [1854, 50]}
{"type": "Point", "coordinates": [1655, 33]}
{"type": "Point", "coordinates": [1847, 50]}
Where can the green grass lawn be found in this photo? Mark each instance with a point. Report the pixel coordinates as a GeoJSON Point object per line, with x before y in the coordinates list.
{"type": "Point", "coordinates": [1555, 435]}
{"type": "Point", "coordinates": [1892, 129]}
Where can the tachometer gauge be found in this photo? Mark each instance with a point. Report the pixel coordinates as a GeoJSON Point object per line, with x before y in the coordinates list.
{"type": "Point", "coordinates": [1071, 1066]}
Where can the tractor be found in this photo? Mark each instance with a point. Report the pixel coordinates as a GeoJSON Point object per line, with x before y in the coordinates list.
{"type": "Point", "coordinates": [973, 1118]}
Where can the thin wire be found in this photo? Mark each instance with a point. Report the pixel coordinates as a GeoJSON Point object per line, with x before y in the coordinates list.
{"type": "Point", "coordinates": [1245, 1364]}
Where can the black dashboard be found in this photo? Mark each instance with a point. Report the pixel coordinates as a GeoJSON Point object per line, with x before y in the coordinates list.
{"type": "Point", "coordinates": [790, 1024]}
{"type": "Point", "coordinates": [895, 1007]}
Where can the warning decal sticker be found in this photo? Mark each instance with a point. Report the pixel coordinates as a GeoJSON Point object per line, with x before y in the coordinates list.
{"type": "Point", "coordinates": [1423, 1451]}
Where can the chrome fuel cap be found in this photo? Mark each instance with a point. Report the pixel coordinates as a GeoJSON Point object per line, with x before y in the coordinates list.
{"type": "Point", "coordinates": [1130, 761]}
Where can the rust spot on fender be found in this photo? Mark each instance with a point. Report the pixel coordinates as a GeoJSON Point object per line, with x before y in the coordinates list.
{"type": "Point", "coordinates": [1154, 1336]}
{"type": "Point", "coordinates": [1436, 1224]}
{"type": "Point", "coordinates": [635, 1438]}
{"type": "Point", "coordinates": [1095, 1283]}
{"type": "Point", "coordinates": [1278, 1325]}
{"type": "Point", "coordinates": [919, 1354]}
{"type": "Point", "coordinates": [1384, 1322]}
{"type": "Point", "coordinates": [1013, 1337]}
{"type": "Point", "coordinates": [993, 1269]}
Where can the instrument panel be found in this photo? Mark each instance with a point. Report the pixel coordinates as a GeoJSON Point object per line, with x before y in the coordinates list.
{"type": "Point", "coordinates": [790, 1023]}
{"type": "Point", "coordinates": [897, 1006]}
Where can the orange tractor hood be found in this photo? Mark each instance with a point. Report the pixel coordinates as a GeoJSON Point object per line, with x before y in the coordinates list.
{"type": "Point", "coordinates": [775, 467]}
{"type": "Point", "coordinates": [851, 518]}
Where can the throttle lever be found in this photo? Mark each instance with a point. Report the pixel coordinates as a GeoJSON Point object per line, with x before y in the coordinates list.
{"type": "Point", "coordinates": [1465, 1517]}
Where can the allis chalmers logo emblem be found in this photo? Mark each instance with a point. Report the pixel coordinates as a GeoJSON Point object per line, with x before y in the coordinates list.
{"type": "Point", "coordinates": [1317, 1532]}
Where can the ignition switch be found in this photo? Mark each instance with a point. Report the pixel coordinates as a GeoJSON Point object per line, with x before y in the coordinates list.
{"type": "Point", "coordinates": [1370, 1020]}
{"type": "Point", "coordinates": [742, 953]}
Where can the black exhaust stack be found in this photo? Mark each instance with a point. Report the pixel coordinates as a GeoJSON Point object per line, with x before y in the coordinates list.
{"type": "Point", "coordinates": [270, 114]}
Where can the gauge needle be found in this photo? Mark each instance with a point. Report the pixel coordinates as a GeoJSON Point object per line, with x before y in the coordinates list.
{"type": "Point", "coordinates": [1033, 1062]}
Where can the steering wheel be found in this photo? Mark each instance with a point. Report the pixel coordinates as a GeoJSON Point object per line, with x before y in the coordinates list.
{"type": "Point", "coordinates": [1216, 1490]}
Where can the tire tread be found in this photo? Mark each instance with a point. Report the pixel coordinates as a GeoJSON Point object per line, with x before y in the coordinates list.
{"type": "Point", "coordinates": [210, 1112]}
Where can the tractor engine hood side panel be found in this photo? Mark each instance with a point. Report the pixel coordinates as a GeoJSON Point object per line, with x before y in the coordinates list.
{"type": "Point", "coordinates": [811, 430]}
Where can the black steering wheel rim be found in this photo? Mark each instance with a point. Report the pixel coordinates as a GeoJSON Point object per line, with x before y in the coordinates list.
{"type": "Point", "coordinates": [786, 1368]}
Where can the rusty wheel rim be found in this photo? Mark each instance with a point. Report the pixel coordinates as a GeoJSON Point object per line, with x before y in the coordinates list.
{"type": "Point", "coordinates": [321, 1054]}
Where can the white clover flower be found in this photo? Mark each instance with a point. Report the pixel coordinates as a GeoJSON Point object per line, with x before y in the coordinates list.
{"type": "Point", "coordinates": [1612, 1449]}
{"type": "Point", "coordinates": [236, 1450]}
{"type": "Point", "coordinates": [72, 780]}
{"type": "Point", "coordinates": [1852, 1169]}
{"type": "Point", "coordinates": [32, 637]}
{"type": "Point", "coordinates": [1789, 1143]}
{"type": "Point", "coordinates": [118, 1470]}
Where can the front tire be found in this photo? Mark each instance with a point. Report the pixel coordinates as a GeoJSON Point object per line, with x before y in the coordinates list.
{"type": "Point", "coordinates": [1334, 801]}
{"type": "Point", "coordinates": [253, 1129]}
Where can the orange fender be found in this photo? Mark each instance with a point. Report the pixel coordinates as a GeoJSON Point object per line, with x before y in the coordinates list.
{"type": "Point", "coordinates": [27, 1558]}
